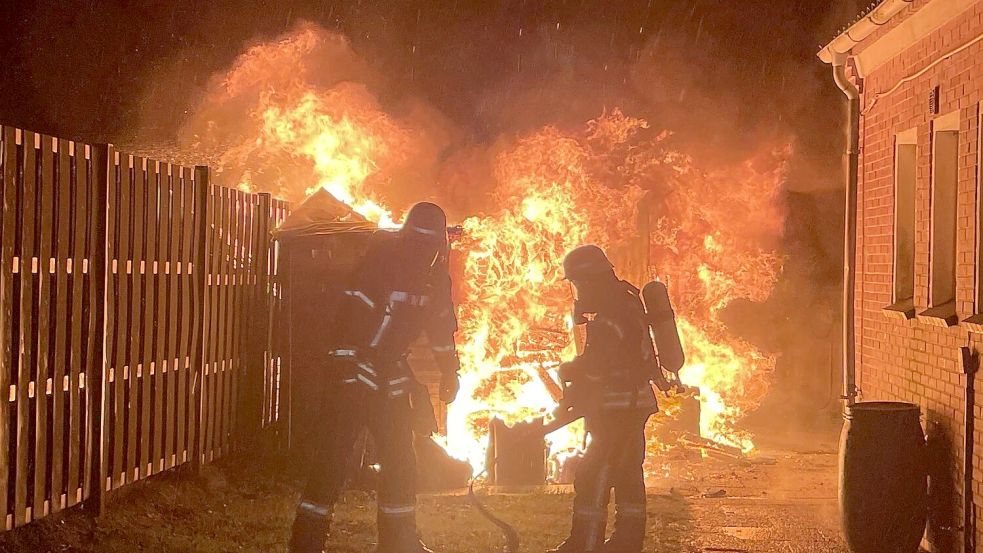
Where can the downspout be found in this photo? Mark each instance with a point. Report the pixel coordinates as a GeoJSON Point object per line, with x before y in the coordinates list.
{"type": "Point", "coordinates": [849, 228]}
{"type": "Point", "coordinates": [971, 364]}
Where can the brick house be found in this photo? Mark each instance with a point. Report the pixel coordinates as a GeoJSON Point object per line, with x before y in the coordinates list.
{"type": "Point", "coordinates": [916, 67]}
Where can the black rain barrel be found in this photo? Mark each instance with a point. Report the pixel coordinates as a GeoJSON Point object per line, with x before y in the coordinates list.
{"type": "Point", "coordinates": [883, 478]}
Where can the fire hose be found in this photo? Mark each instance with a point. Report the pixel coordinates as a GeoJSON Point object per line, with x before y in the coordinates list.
{"type": "Point", "coordinates": [508, 531]}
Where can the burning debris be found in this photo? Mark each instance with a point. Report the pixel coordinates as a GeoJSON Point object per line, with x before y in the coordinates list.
{"type": "Point", "coordinates": [513, 291]}
{"type": "Point", "coordinates": [298, 114]}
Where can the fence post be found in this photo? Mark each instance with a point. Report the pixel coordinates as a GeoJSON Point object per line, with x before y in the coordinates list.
{"type": "Point", "coordinates": [252, 393]}
{"type": "Point", "coordinates": [95, 445]}
{"type": "Point", "coordinates": [200, 340]}
{"type": "Point", "coordinates": [274, 325]}
{"type": "Point", "coordinates": [265, 301]}
{"type": "Point", "coordinates": [8, 172]}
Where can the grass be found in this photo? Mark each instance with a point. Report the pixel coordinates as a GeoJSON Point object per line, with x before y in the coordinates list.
{"type": "Point", "coordinates": [229, 507]}
{"type": "Point", "coordinates": [451, 525]}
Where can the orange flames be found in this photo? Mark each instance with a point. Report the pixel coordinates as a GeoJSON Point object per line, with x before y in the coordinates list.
{"type": "Point", "coordinates": [514, 318]}
{"type": "Point", "coordinates": [275, 127]}
{"type": "Point", "coordinates": [717, 243]}
{"type": "Point", "coordinates": [343, 147]}
{"type": "Point", "coordinates": [712, 235]}
{"type": "Point", "coordinates": [514, 327]}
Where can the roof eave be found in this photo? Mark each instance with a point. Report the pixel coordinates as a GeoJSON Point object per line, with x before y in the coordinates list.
{"type": "Point", "coordinates": [841, 46]}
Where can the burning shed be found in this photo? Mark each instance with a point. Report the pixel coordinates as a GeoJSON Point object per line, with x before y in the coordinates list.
{"type": "Point", "coordinates": [319, 245]}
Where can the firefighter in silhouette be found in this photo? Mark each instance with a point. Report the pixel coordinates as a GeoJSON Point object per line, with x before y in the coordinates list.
{"type": "Point", "coordinates": [611, 384]}
{"type": "Point", "coordinates": [400, 290]}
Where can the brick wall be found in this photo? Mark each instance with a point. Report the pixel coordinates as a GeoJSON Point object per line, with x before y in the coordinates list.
{"type": "Point", "coordinates": [912, 360]}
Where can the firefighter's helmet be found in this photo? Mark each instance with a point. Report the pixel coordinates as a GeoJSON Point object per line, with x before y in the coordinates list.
{"type": "Point", "coordinates": [426, 222]}
{"type": "Point", "coordinates": [425, 231]}
{"type": "Point", "coordinates": [586, 262]}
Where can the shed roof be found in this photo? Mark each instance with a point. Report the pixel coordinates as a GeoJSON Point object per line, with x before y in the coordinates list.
{"type": "Point", "coordinates": [321, 214]}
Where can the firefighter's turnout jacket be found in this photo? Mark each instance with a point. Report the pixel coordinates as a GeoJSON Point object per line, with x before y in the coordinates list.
{"type": "Point", "coordinates": [394, 296]}
{"type": "Point", "coordinates": [390, 302]}
{"type": "Point", "coordinates": [618, 360]}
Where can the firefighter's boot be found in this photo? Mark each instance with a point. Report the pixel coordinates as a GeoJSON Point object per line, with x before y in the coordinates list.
{"type": "Point", "coordinates": [629, 531]}
{"type": "Point", "coordinates": [310, 529]}
{"type": "Point", "coordinates": [398, 533]}
{"type": "Point", "coordinates": [586, 536]}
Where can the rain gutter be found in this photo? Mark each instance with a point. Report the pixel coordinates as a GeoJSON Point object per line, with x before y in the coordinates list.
{"type": "Point", "coordinates": [863, 28]}
{"type": "Point", "coordinates": [837, 53]}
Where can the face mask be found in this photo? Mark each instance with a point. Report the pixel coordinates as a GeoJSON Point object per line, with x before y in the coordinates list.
{"type": "Point", "coordinates": [423, 254]}
{"type": "Point", "coordinates": [584, 304]}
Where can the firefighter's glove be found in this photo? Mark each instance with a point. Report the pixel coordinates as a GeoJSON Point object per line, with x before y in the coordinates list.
{"type": "Point", "coordinates": [450, 383]}
{"type": "Point", "coordinates": [679, 386]}
{"type": "Point", "coordinates": [660, 380]}
{"type": "Point", "coordinates": [570, 371]}
{"type": "Point", "coordinates": [424, 419]}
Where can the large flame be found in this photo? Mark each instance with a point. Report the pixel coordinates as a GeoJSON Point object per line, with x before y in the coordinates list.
{"type": "Point", "coordinates": [711, 234]}
{"type": "Point", "coordinates": [343, 147]}
{"type": "Point", "coordinates": [559, 192]}
{"type": "Point", "coordinates": [272, 124]}
{"type": "Point", "coordinates": [514, 323]}
{"type": "Point", "coordinates": [715, 243]}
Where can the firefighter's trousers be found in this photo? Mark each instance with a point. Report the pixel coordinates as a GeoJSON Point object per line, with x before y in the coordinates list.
{"type": "Point", "coordinates": [613, 460]}
{"type": "Point", "coordinates": [390, 422]}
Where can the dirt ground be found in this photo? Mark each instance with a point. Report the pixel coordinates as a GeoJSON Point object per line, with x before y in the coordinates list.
{"type": "Point", "coordinates": [781, 500]}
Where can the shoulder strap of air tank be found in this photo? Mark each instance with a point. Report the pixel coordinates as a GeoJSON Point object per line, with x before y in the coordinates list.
{"type": "Point", "coordinates": [631, 288]}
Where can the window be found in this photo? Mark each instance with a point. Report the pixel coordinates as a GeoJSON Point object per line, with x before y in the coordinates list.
{"type": "Point", "coordinates": [905, 171]}
{"type": "Point", "coordinates": [942, 255]}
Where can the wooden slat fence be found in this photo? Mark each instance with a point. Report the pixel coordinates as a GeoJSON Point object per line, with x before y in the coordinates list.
{"type": "Point", "coordinates": [152, 312]}
{"type": "Point", "coordinates": [135, 320]}
{"type": "Point", "coordinates": [227, 285]}
{"type": "Point", "coordinates": [51, 298]}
